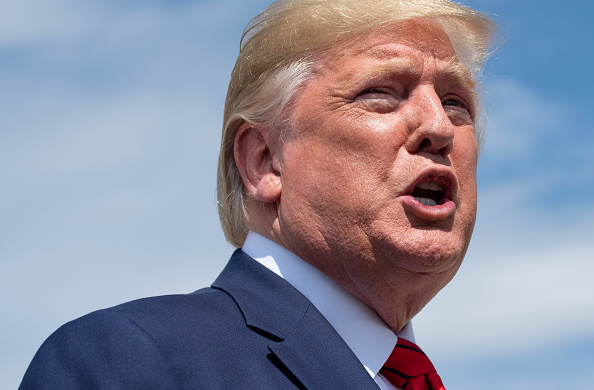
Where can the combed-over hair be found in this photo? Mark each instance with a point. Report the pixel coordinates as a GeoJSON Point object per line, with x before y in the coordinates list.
{"type": "Point", "coordinates": [278, 54]}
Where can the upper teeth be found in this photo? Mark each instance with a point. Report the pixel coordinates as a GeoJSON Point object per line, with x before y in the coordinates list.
{"type": "Point", "coordinates": [429, 185]}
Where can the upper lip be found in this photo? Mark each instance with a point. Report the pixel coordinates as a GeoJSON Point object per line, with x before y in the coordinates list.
{"type": "Point", "coordinates": [443, 177]}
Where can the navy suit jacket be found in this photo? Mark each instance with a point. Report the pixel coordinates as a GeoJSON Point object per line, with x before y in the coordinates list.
{"type": "Point", "coordinates": [249, 330]}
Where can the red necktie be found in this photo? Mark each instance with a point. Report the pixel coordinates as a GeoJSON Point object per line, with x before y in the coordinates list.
{"type": "Point", "coordinates": [408, 368]}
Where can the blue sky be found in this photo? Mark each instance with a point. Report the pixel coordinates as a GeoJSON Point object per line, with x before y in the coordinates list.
{"type": "Point", "coordinates": [111, 115]}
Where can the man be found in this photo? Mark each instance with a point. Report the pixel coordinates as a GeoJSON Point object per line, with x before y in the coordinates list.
{"type": "Point", "coordinates": [347, 174]}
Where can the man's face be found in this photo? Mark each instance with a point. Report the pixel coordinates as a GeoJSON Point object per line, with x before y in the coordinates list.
{"type": "Point", "coordinates": [379, 172]}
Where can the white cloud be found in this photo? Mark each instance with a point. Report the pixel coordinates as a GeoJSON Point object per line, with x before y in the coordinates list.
{"type": "Point", "coordinates": [520, 119]}
{"type": "Point", "coordinates": [109, 142]}
{"type": "Point", "coordinates": [515, 300]}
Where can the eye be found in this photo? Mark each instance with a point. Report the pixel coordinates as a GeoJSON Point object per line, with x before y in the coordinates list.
{"type": "Point", "coordinates": [456, 103]}
{"type": "Point", "coordinates": [451, 102]}
{"type": "Point", "coordinates": [379, 100]}
{"type": "Point", "coordinates": [459, 111]}
{"type": "Point", "coordinates": [373, 91]}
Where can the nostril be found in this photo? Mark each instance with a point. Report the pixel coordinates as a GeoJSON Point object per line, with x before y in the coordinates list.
{"type": "Point", "coordinates": [425, 143]}
{"type": "Point", "coordinates": [429, 146]}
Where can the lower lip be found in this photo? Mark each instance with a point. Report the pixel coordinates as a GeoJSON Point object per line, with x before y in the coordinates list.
{"type": "Point", "coordinates": [429, 213]}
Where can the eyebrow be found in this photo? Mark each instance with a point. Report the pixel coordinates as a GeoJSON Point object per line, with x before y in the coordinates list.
{"type": "Point", "coordinates": [454, 72]}
{"type": "Point", "coordinates": [457, 73]}
{"type": "Point", "coordinates": [400, 67]}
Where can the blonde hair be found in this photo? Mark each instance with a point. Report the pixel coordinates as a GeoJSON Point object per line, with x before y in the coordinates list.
{"type": "Point", "coordinates": [278, 55]}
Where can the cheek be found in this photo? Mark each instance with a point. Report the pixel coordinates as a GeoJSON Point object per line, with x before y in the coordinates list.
{"type": "Point", "coordinates": [464, 158]}
{"type": "Point", "coordinates": [310, 180]}
{"type": "Point", "coordinates": [333, 186]}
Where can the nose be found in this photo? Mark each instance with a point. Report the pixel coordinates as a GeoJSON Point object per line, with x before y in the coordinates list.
{"type": "Point", "coordinates": [431, 130]}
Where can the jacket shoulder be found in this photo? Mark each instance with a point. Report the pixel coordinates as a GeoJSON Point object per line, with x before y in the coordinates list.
{"type": "Point", "coordinates": [133, 345]}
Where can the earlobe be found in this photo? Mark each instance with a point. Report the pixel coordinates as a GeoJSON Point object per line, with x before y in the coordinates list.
{"type": "Point", "coordinates": [257, 164]}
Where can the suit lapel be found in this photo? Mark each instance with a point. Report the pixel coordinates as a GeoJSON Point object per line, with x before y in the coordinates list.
{"type": "Point", "coordinates": [300, 337]}
{"type": "Point", "coordinates": [269, 304]}
{"type": "Point", "coordinates": [319, 358]}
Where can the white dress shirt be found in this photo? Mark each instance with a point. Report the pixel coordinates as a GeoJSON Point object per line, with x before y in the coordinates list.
{"type": "Point", "coordinates": [360, 327]}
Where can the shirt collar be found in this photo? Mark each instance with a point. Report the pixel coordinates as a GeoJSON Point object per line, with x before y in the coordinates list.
{"type": "Point", "coordinates": [360, 327]}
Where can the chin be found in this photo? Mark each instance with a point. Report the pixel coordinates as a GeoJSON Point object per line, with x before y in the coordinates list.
{"type": "Point", "coordinates": [429, 251]}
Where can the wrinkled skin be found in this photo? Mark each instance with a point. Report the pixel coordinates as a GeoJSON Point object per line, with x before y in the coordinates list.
{"type": "Point", "coordinates": [383, 113]}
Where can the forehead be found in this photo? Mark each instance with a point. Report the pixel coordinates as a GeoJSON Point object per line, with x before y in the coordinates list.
{"type": "Point", "coordinates": [405, 48]}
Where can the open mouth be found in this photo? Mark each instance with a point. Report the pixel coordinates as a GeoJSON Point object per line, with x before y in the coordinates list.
{"type": "Point", "coordinates": [429, 193]}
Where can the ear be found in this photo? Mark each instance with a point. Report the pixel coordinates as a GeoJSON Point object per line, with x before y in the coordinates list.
{"type": "Point", "coordinates": [257, 164]}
